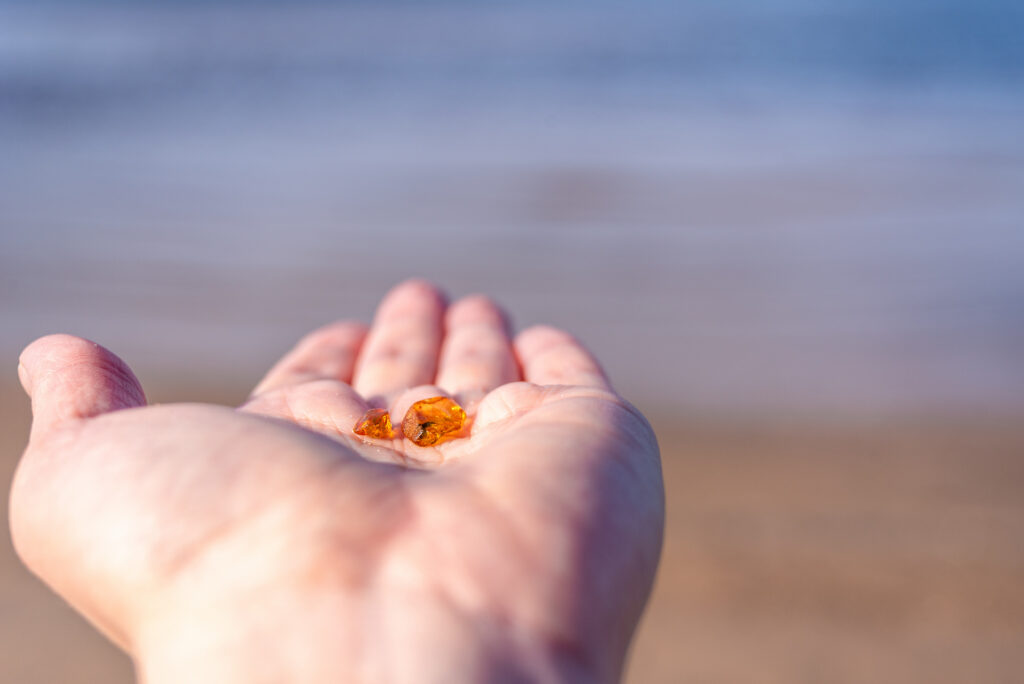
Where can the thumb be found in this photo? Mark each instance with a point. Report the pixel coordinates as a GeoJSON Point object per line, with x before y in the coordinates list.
{"type": "Point", "coordinates": [69, 378]}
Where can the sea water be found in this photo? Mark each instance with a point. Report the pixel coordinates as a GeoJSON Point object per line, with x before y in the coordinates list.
{"type": "Point", "coordinates": [739, 205]}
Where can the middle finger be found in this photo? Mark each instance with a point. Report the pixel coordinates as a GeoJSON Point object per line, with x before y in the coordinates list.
{"type": "Point", "coordinates": [402, 346]}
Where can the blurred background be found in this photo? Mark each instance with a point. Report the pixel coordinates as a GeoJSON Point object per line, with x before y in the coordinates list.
{"type": "Point", "coordinates": [792, 230]}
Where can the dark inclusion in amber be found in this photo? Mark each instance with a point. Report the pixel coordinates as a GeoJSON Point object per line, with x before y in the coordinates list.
{"type": "Point", "coordinates": [431, 421]}
{"type": "Point", "coordinates": [375, 423]}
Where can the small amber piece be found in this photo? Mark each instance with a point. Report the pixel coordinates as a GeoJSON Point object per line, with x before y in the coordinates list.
{"type": "Point", "coordinates": [433, 420]}
{"type": "Point", "coordinates": [375, 423]}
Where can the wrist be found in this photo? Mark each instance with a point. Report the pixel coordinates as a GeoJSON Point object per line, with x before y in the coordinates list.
{"type": "Point", "coordinates": [309, 642]}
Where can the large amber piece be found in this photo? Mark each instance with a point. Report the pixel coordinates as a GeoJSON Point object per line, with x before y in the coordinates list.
{"type": "Point", "coordinates": [375, 423]}
{"type": "Point", "coordinates": [431, 421]}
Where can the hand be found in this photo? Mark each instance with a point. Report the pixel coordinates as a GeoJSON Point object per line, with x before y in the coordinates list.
{"type": "Point", "coordinates": [270, 544]}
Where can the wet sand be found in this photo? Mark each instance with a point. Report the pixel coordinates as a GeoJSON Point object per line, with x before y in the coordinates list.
{"type": "Point", "coordinates": [797, 550]}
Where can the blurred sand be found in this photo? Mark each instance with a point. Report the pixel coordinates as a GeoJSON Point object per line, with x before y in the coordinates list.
{"type": "Point", "coordinates": [845, 552]}
{"type": "Point", "coordinates": [796, 551]}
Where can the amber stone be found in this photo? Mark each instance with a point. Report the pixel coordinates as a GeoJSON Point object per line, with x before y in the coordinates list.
{"type": "Point", "coordinates": [431, 421]}
{"type": "Point", "coordinates": [375, 423]}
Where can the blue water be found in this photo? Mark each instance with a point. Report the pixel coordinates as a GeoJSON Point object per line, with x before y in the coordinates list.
{"type": "Point", "coordinates": [54, 50]}
{"type": "Point", "coordinates": [786, 204]}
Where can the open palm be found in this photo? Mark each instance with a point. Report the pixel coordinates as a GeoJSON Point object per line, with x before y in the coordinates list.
{"type": "Point", "coordinates": [270, 543]}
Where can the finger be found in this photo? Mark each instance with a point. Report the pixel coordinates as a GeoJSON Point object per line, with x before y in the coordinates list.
{"type": "Point", "coordinates": [476, 356]}
{"type": "Point", "coordinates": [328, 353]}
{"type": "Point", "coordinates": [69, 378]}
{"type": "Point", "coordinates": [550, 356]}
{"type": "Point", "coordinates": [329, 407]}
{"type": "Point", "coordinates": [402, 346]}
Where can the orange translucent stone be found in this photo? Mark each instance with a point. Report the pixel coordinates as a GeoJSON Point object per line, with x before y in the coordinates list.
{"type": "Point", "coordinates": [431, 421]}
{"type": "Point", "coordinates": [375, 423]}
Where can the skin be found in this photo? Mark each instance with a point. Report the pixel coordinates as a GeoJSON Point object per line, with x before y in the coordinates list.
{"type": "Point", "coordinates": [268, 543]}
